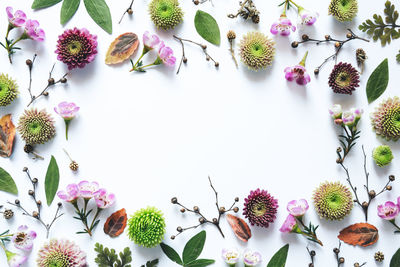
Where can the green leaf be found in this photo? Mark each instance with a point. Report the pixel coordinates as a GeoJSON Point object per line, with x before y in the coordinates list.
{"type": "Point", "coordinates": [194, 247]}
{"type": "Point", "coordinates": [279, 259]}
{"type": "Point", "coordinates": [171, 253]}
{"type": "Point", "coordinates": [395, 261]}
{"type": "Point", "coordinates": [398, 57]}
{"type": "Point", "coordinates": [38, 4]}
{"type": "Point", "coordinates": [52, 180]}
{"type": "Point", "coordinates": [378, 81]}
{"type": "Point", "coordinates": [100, 13]}
{"type": "Point", "coordinates": [207, 27]}
{"type": "Point", "coordinates": [68, 10]}
{"type": "Point", "coordinates": [200, 263]}
{"type": "Point", "coordinates": [152, 263]}
{"type": "Point", "coordinates": [7, 183]}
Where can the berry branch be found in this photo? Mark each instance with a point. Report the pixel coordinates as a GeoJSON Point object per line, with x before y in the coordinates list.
{"type": "Point", "coordinates": [312, 256]}
{"type": "Point", "coordinates": [129, 10]}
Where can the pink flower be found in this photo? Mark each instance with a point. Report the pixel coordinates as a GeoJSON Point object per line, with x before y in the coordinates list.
{"type": "Point", "coordinates": [298, 73]}
{"type": "Point", "coordinates": [33, 31]}
{"type": "Point", "coordinates": [150, 42]}
{"type": "Point", "coordinates": [103, 200]}
{"type": "Point", "coordinates": [388, 211]}
{"type": "Point", "coordinates": [308, 17]}
{"type": "Point", "coordinates": [14, 259]}
{"type": "Point", "coordinates": [297, 208]}
{"type": "Point", "coordinates": [289, 225]}
{"type": "Point", "coordinates": [71, 193]}
{"type": "Point", "coordinates": [165, 53]}
{"type": "Point", "coordinates": [66, 110]}
{"type": "Point", "coordinates": [251, 258]}
{"type": "Point", "coordinates": [348, 118]}
{"type": "Point", "coordinates": [283, 26]}
{"type": "Point", "coordinates": [23, 239]}
{"type": "Point", "coordinates": [17, 19]}
{"type": "Point", "coordinates": [87, 189]}
{"type": "Point", "coordinates": [336, 111]}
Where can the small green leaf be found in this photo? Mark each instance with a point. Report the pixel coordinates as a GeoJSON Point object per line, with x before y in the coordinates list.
{"type": "Point", "coordinates": [200, 263]}
{"type": "Point", "coordinates": [100, 13]}
{"type": "Point", "coordinates": [395, 261]}
{"type": "Point", "coordinates": [194, 247]}
{"type": "Point", "coordinates": [52, 180]}
{"type": "Point", "coordinates": [7, 183]}
{"type": "Point", "coordinates": [207, 27]}
{"type": "Point", "coordinates": [38, 4]}
{"type": "Point", "coordinates": [68, 10]}
{"type": "Point", "coordinates": [279, 259]}
{"type": "Point", "coordinates": [171, 253]}
{"type": "Point", "coordinates": [378, 81]}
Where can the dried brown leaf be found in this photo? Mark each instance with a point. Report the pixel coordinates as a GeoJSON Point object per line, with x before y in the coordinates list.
{"type": "Point", "coordinates": [7, 134]}
{"type": "Point", "coordinates": [116, 223]}
{"type": "Point", "coordinates": [239, 227]}
{"type": "Point", "coordinates": [122, 48]}
{"type": "Point", "coordinates": [361, 234]}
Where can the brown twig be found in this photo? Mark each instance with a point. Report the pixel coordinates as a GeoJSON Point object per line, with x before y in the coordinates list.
{"type": "Point", "coordinates": [128, 10]}
{"type": "Point", "coordinates": [312, 256]}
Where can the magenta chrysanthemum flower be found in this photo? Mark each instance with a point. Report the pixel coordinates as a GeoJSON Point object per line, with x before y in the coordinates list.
{"type": "Point", "coordinates": [344, 78]}
{"type": "Point", "coordinates": [260, 208]}
{"type": "Point", "coordinates": [76, 48]}
{"type": "Point", "coordinates": [61, 252]}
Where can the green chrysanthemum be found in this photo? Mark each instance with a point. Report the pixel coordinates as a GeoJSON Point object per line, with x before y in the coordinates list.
{"type": "Point", "coordinates": [382, 155]}
{"type": "Point", "coordinates": [333, 201]}
{"type": "Point", "coordinates": [146, 227]}
{"type": "Point", "coordinates": [257, 50]}
{"type": "Point", "coordinates": [386, 119]}
{"type": "Point", "coordinates": [165, 14]}
{"type": "Point", "coordinates": [8, 90]}
{"type": "Point", "coordinates": [36, 127]}
{"type": "Point", "coordinates": [343, 10]}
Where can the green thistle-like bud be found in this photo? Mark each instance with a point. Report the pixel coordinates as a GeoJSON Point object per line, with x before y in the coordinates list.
{"type": "Point", "coordinates": [333, 201]}
{"type": "Point", "coordinates": [343, 10]}
{"type": "Point", "coordinates": [382, 155]}
{"type": "Point", "coordinates": [165, 14]}
{"type": "Point", "coordinates": [8, 90]}
{"type": "Point", "coordinates": [146, 227]}
{"type": "Point", "coordinates": [257, 50]}
{"type": "Point", "coordinates": [36, 127]}
{"type": "Point", "coordinates": [386, 119]}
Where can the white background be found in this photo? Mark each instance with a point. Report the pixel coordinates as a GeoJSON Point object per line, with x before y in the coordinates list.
{"type": "Point", "coordinates": [149, 137]}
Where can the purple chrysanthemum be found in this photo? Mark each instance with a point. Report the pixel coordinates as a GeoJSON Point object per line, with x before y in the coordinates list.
{"type": "Point", "coordinates": [61, 252]}
{"type": "Point", "coordinates": [76, 48]}
{"type": "Point", "coordinates": [344, 78]}
{"type": "Point", "coordinates": [260, 208]}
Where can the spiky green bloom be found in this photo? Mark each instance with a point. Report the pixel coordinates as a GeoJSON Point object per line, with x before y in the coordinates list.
{"type": "Point", "coordinates": [165, 14]}
{"type": "Point", "coordinates": [385, 119]}
{"type": "Point", "coordinates": [8, 90]}
{"type": "Point", "coordinates": [343, 10]}
{"type": "Point", "coordinates": [256, 50]}
{"type": "Point", "coordinates": [382, 155]}
{"type": "Point", "coordinates": [146, 227]}
{"type": "Point", "coordinates": [36, 127]}
{"type": "Point", "coordinates": [333, 201]}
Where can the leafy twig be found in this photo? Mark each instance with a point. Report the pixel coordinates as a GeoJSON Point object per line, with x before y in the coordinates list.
{"type": "Point", "coordinates": [347, 141]}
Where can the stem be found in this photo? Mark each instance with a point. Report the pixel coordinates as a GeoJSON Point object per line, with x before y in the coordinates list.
{"type": "Point", "coordinates": [284, 8]}
{"type": "Point", "coordinates": [95, 217]}
{"type": "Point", "coordinates": [233, 53]}
{"type": "Point", "coordinates": [303, 61]}
{"type": "Point", "coordinates": [84, 221]}
{"type": "Point", "coordinates": [67, 122]}
{"type": "Point", "coordinates": [296, 5]}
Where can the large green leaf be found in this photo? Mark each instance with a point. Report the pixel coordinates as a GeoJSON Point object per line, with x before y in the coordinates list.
{"type": "Point", "coordinates": [7, 183]}
{"type": "Point", "coordinates": [194, 247]}
{"type": "Point", "coordinates": [279, 259]}
{"type": "Point", "coordinates": [100, 13]}
{"type": "Point", "coordinates": [171, 253]}
{"type": "Point", "coordinates": [378, 81]}
{"type": "Point", "coordinates": [395, 261]}
{"type": "Point", "coordinates": [68, 10]}
{"type": "Point", "coordinates": [207, 27]}
{"type": "Point", "coordinates": [38, 4]}
{"type": "Point", "coordinates": [52, 180]}
{"type": "Point", "coordinates": [200, 263]}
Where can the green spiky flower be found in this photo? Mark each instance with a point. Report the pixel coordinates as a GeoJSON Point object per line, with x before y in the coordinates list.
{"type": "Point", "coordinates": [36, 127]}
{"type": "Point", "coordinates": [146, 227]}
{"type": "Point", "coordinates": [343, 10]}
{"type": "Point", "coordinates": [8, 90]}
{"type": "Point", "coordinates": [165, 14]}
{"type": "Point", "coordinates": [333, 201]}
{"type": "Point", "coordinates": [257, 50]}
{"type": "Point", "coordinates": [382, 155]}
{"type": "Point", "coordinates": [386, 119]}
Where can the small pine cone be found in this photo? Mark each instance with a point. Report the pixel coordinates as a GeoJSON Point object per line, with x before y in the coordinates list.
{"type": "Point", "coordinates": [28, 148]}
{"type": "Point", "coordinates": [361, 56]}
{"type": "Point", "coordinates": [255, 19]}
{"type": "Point", "coordinates": [8, 214]}
{"type": "Point", "coordinates": [379, 257]}
{"type": "Point", "coordinates": [74, 166]}
{"type": "Point", "coordinates": [231, 35]}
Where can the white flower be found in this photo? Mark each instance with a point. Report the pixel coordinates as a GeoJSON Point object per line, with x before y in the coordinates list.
{"type": "Point", "coordinates": [230, 256]}
{"type": "Point", "coordinates": [336, 111]}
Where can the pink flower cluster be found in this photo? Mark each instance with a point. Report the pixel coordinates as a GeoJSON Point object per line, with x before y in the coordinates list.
{"type": "Point", "coordinates": [296, 209]}
{"type": "Point", "coordinates": [87, 190]}
{"type": "Point", "coordinates": [349, 118]}
{"type": "Point", "coordinates": [165, 53]}
{"type": "Point", "coordinates": [18, 19]}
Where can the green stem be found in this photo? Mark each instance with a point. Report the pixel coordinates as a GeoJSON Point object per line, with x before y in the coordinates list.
{"type": "Point", "coordinates": [394, 224]}
{"type": "Point", "coordinates": [67, 122]}
{"type": "Point", "coordinates": [303, 61]}
{"type": "Point", "coordinates": [144, 52]}
{"type": "Point", "coordinates": [84, 221]}
{"type": "Point", "coordinates": [284, 8]}
{"type": "Point", "coordinates": [95, 218]}
{"type": "Point", "coordinates": [296, 5]}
